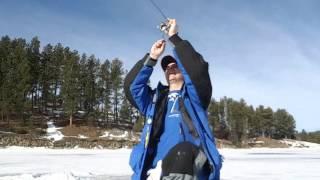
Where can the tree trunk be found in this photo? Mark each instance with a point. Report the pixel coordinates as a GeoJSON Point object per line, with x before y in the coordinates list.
{"type": "Point", "coordinates": [55, 95]}
{"type": "Point", "coordinates": [37, 100]}
{"type": "Point", "coordinates": [80, 100]}
{"type": "Point", "coordinates": [107, 118]}
{"type": "Point", "coordinates": [8, 119]}
{"type": "Point", "coordinates": [32, 100]}
{"type": "Point", "coordinates": [116, 110]}
{"type": "Point", "coordinates": [70, 120]}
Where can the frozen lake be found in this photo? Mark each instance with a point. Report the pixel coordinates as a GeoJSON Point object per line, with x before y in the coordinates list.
{"type": "Point", "coordinates": [239, 164]}
{"type": "Point", "coordinates": [271, 164]}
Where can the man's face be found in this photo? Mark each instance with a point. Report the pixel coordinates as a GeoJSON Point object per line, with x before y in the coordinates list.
{"type": "Point", "coordinates": [173, 74]}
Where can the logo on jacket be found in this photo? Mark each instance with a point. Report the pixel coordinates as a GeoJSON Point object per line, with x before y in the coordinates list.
{"type": "Point", "coordinates": [174, 110]}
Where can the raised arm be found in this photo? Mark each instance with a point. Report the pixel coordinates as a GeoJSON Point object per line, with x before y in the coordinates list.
{"type": "Point", "coordinates": [193, 66]}
{"type": "Point", "coordinates": [136, 87]}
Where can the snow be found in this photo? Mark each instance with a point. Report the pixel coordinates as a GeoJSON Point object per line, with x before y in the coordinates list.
{"type": "Point", "coordinates": [266, 163]}
{"type": "Point", "coordinates": [259, 142]}
{"type": "Point", "coordinates": [49, 164]}
{"type": "Point", "coordinates": [5, 132]}
{"type": "Point", "coordinates": [124, 135]}
{"type": "Point", "coordinates": [300, 144]}
{"type": "Point", "coordinates": [53, 133]}
{"type": "Point", "coordinates": [105, 134]}
{"type": "Point", "coordinates": [108, 134]}
{"type": "Point", "coordinates": [17, 163]}
{"type": "Point", "coordinates": [82, 136]}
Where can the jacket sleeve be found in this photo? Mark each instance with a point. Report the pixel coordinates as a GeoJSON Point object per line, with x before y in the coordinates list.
{"type": "Point", "coordinates": [136, 87]}
{"type": "Point", "coordinates": [195, 70]}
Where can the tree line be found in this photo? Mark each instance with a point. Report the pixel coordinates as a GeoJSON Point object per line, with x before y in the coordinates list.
{"type": "Point", "coordinates": [237, 121]}
{"type": "Point", "coordinates": [60, 82]}
{"type": "Point", "coordinates": [309, 136]}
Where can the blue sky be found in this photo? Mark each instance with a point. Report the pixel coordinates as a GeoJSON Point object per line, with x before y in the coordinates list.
{"type": "Point", "coordinates": [266, 51]}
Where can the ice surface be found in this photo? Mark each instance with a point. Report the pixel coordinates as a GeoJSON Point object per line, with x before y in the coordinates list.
{"type": "Point", "coordinates": [18, 163]}
{"type": "Point", "coordinates": [48, 164]}
{"type": "Point", "coordinates": [288, 163]}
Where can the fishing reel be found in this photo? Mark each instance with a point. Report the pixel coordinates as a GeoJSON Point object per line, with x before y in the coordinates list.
{"type": "Point", "coordinates": [164, 27]}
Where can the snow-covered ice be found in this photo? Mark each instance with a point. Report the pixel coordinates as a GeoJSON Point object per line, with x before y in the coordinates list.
{"type": "Point", "coordinates": [274, 164]}
{"type": "Point", "coordinates": [17, 163]}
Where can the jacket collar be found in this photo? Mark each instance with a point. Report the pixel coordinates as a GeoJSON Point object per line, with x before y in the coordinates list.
{"type": "Point", "coordinates": [164, 88]}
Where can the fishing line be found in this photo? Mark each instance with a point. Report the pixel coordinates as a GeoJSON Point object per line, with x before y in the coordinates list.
{"type": "Point", "coordinates": [164, 26]}
{"type": "Point", "coordinates": [159, 9]}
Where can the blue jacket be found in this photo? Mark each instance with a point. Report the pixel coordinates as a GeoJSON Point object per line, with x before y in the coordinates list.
{"type": "Point", "coordinates": [196, 95]}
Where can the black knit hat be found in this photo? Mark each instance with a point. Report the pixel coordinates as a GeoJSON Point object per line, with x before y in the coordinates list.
{"type": "Point", "coordinates": [166, 61]}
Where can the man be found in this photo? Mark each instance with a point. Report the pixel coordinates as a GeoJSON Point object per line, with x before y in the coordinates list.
{"type": "Point", "coordinates": [176, 137]}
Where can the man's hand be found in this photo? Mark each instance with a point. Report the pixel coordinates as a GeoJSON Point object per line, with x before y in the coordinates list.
{"type": "Point", "coordinates": [173, 27]}
{"type": "Point", "coordinates": [157, 49]}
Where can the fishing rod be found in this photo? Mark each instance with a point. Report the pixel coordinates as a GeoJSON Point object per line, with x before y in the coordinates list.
{"type": "Point", "coordinates": [159, 9]}
{"type": "Point", "coordinates": [164, 26]}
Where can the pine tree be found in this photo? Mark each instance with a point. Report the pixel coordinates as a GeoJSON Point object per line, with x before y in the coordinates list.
{"type": "Point", "coordinates": [242, 125]}
{"type": "Point", "coordinates": [258, 121]}
{"type": "Point", "coordinates": [83, 82]}
{"type": "Point", "coordinates": [251, 120]}
{"type": "Point", "coordinates": [126, 110]}
{"type": "Point", "coordinates": [116, 79]}
{"type": "Point", "coordinates": [55, 65]}
{"type": "Point", "coordinates": [20, 77]}
{"type": "Point", "coordinates": [213, 115]}
{"type": "Point", "coordinates": [91, 85]}
{"type": "Point", "coordinates": [238, 117]}
{"type": "Point", "coordinates": [5, 65]}
{"type": "Point", "coordinates": [70, 84]}
{"type": "Point", "coordinates": [104, 86]}
{"type": "Point", "coordinates": [304, 135]}
{"type": "Point", "coordinates": [46, 77]}
{"type": "Point", "coordinates": [224, 116]}
{"type": "Point", "coordinates": [267, 124]}
{"type": "Point", "coordinates": [33, 51]}
{"type": "Point", "coordinates": [284, 124]}
{"type": "Point", "coordinates": [292, 127]}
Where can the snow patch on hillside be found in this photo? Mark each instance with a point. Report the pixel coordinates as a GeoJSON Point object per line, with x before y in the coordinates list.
{"type": "Point", "coordinates": [300, 144]}
{"type": "Point", "coordinates": [53, 133]}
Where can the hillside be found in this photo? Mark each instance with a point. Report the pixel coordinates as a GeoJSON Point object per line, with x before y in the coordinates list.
{"type": "Point", "coordinates": [112, 138]}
